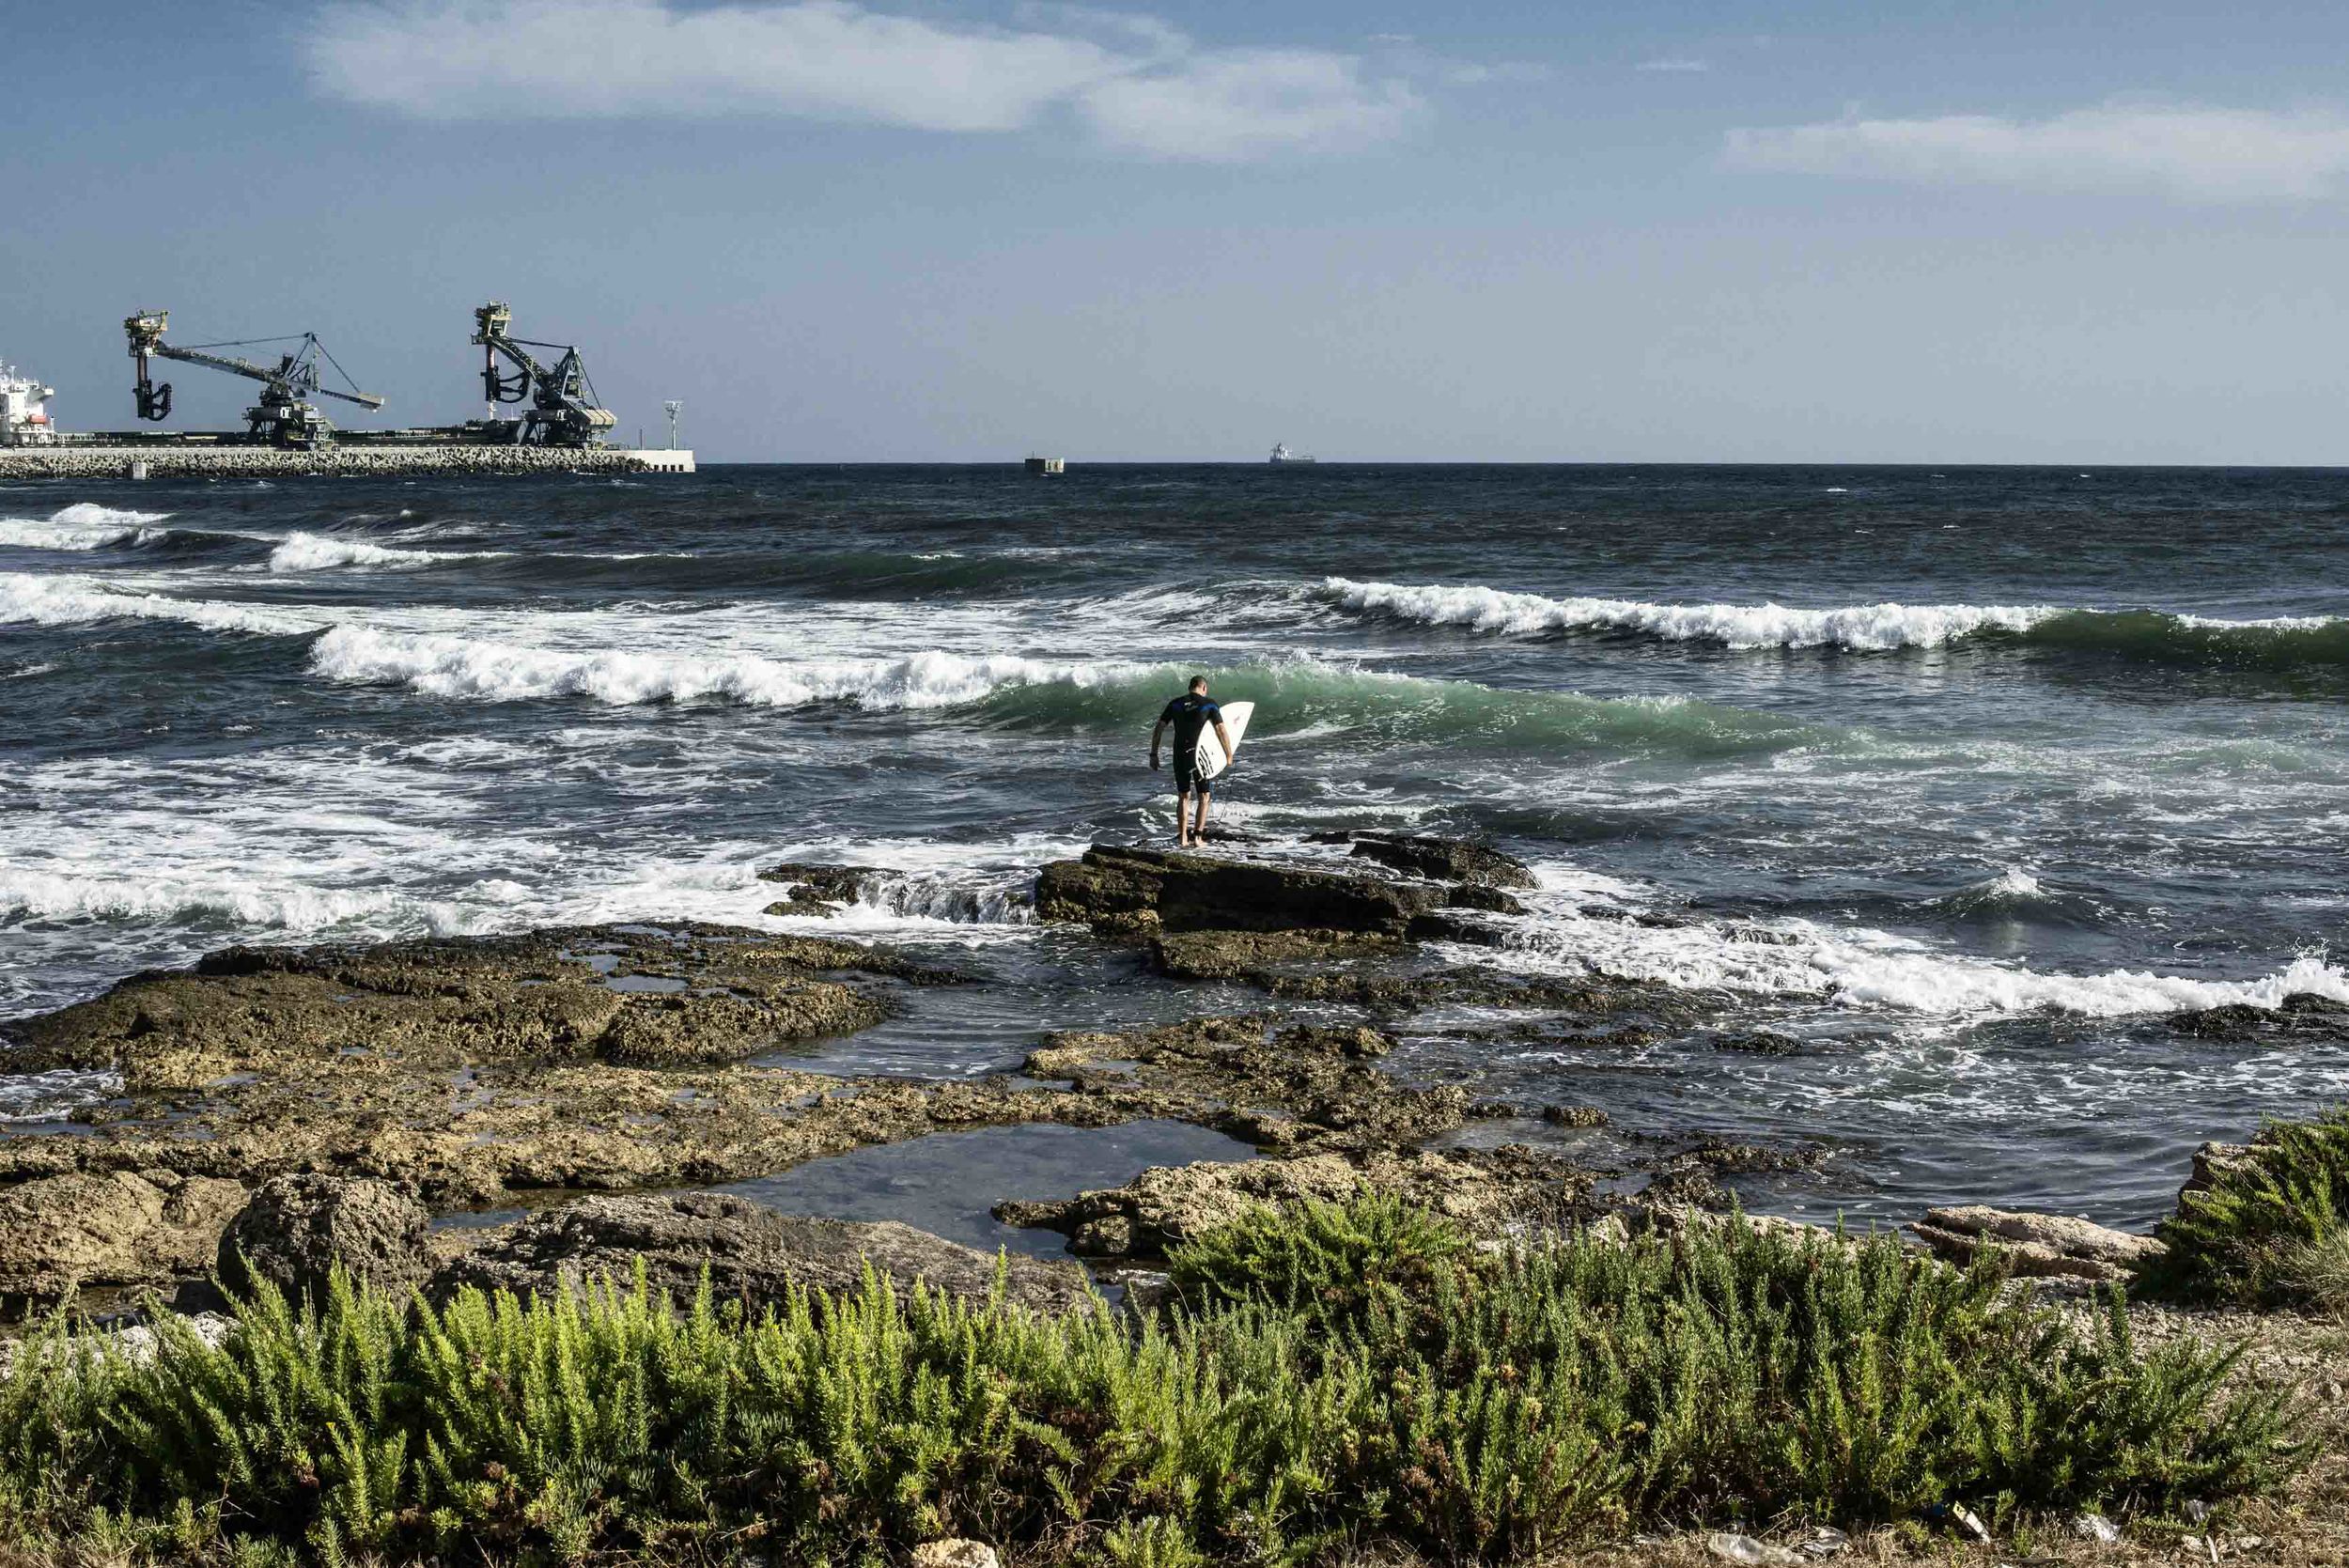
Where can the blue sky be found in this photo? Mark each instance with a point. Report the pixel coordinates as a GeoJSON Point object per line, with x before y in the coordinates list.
{"type": "Point", "coordinates": [2084, 233]}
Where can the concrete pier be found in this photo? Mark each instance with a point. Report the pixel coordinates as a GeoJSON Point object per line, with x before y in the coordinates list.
{"type": "Point", "coordinates": [163, 462]}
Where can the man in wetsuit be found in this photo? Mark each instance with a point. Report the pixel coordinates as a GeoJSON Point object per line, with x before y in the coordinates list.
{"type": "Point", "coordinates": [1189, 714]}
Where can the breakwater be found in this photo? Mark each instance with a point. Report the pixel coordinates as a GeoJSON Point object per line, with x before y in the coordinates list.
{"type": "Point", "coordinates": [192, 461]}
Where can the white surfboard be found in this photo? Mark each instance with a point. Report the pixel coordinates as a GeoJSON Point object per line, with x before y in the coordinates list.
{"type": "Point", "coordinates": [1211, 758]}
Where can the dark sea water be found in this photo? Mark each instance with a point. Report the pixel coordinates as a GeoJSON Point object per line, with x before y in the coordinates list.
{"type": "Point", "coordinates": [2001, 767]}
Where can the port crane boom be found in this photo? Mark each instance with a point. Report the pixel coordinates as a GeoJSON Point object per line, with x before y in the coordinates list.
{"type": "Point", "coordinates": [563, 411]}
{"type": "Point", "coordinates": [283, 417]}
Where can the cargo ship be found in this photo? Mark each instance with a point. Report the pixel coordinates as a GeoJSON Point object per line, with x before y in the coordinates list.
{"type": "Point", "coordinates": [556, 422]}
{"type": "Point", "coordinates": [1281, 454]}
{"type": "Point", "coordinates": [25, 409]}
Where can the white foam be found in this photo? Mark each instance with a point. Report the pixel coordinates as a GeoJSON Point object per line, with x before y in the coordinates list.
{"type": "Point", "coordinates": [2267, 623]}
{"type": "Point", "coordinates": [2013, 882]}
{"type": "Point", "coordinates": [54, 1095]}
{"type": "Point", "coordinates": [1869, 626]}
{"type": "Point", "coordinates": [453, 666]}
{"type": "Point", "coordinates": [70, 600]}
{"type": "Point", "coordinates": [84, 525]}
{"type": "Point", "coordinates": [1864, 969]}
{"type": "Point", "coordinates": [275, 902]}
{"type": "Point", "coordinates": [320, 553]}
{"type": "Point", "coordinates": [2013, 885]}
{"type": "Point", "coordinates": [1002, 899]}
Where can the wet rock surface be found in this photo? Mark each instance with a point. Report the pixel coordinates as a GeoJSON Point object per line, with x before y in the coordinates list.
{"type": "Point", "coordinates": [491, 1072]}
{"type": "Point", "coordinates": [2040, 1245]}
{"type": "Point", "coordinates": [1131, 893]}
{"type": "Point", "coordinates": [120, 1228]}
{"type": "Point", "coordinates": [817, 889]}
{"type": "Point", "coordinates": [1445, 860]}
{"type": "Point", "coordinates": [298, 1230]}
{"type": "Point", "coordinates": [612, 994]}
{"type": "Point", "coordinates": [2303, 1015]}
{"type": "Point", "coordinates": [751, 1253]}
{"type": "Point", "coordinates": [1292, 1088]}
{"type": "Point", "coordinates": [1251, 955]}
{"type": "Point", "coordinates": [604, 1058]}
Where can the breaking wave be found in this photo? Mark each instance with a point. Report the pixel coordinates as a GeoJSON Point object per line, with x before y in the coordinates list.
{"type": "Point", "coordinates": [2149, 636]}
{"type": "Point", "coordinates": [1004, 900]}
{"type": "Point", "coordinates": [42, 600]}
{"type": "Point", "coordinates": [1304, 696]}
{"type": "Point", "coordinates": [30, 895]}
{"type": "Point", "coordinates": [2011, 889]}
{"type": "Point", "coordinates": [84, 525]}
{"type": "Point", "coordinates": [450, 666]}
{"type": "Point", "coordinates": [2199, 642]}
{"type": "Point", "coordinates": [1738, 626]}
{"type": "Point", "coordinates": [1872, 970]}
{"type": "Point", "coordinates": [320, 553]}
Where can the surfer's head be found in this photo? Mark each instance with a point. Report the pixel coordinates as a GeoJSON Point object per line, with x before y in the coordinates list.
{"type": "Point", "coordinates": [1199, 684]}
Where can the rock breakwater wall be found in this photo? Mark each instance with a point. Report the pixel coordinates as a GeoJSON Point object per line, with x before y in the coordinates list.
{"type": "Point", "coordinates": [163, 462]}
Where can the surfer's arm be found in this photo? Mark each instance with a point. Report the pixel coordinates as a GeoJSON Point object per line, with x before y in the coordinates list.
{"type": "Point", "coordinates": [1230, 752]}
{"type": "Point", "coordinates": [1155, 730]}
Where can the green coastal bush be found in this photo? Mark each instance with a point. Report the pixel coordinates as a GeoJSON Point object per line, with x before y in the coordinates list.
{"type": "Point", "coordinates": [1336, 1377]}
{"type": "Point", "coordinates": [2271, 1230]}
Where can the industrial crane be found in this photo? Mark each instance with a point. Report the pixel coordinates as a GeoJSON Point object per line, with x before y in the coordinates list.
{"type": "Point", "coordinates": [283, 417]}
{"type": "Point", "coordinates": [562, 412]}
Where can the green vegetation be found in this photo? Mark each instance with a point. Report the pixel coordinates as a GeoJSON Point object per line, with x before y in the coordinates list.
{"type": "Point", "coordinates": [1345, 1374]}
{"type": "Point", "coordinates": [2271, 1230]}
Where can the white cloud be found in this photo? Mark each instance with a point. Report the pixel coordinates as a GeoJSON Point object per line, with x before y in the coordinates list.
{"type": "Point", "coordinates": [1133, 82]}
{"type": "Point", "coordinates": [2198, 153]}
{"type": "Point", "coordinates": [1239, 104]}
{"type": "Point", "coordinates": [1675, 64]}
{"type": "Point", "coordinates": [1471, 73]}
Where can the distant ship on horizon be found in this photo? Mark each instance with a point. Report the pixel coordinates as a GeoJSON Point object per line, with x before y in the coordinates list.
{"type": "Point", "coordinates": [1281, 454]}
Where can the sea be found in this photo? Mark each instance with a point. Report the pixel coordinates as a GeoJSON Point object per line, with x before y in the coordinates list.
{"type": "Point", "coordinates": [1963, 781]}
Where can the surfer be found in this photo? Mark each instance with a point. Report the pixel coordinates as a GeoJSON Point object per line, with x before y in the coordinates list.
{"type": "Point", "coordinates": [1191, 714]}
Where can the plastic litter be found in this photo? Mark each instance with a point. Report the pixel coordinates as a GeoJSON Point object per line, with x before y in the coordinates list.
{"type": "Point", "coordinates": [2097, 1527]}
{"type": "Point", "coordinates": [1823, 1541]}
{"type": "Point", "coordinates": [1744, 1549]}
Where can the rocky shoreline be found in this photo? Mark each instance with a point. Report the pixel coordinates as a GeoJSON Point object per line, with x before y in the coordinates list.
{"type": "Point", "coordinates": [286, 1112]}
{"type": "Point", "coordinates": [489, 1073]}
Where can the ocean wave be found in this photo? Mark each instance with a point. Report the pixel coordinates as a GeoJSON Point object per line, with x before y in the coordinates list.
{"type": "Point", "coordinates": [450, 666]}
{"type": "Point", "coordinates": [301, 553]}
{"type": "Point", "coordinates": [1004, 898]}
{"type": "Point", "coordinates": [2279, 643]}
{"type": "Point", "coordinates": [2151, 636]}
{"type": "Point", "coordinates": [222, 896]}
{"type": "Point", "coordinates": [2011, 889]}
{"type": "Point", "coordinates": [40, 599]}
{"type": "Point", "coordinates": [84, 525]}
{"type": "Point", "coordinates": [1305, 695]}
{"type": "Point", "coordinates": [88, 514]}
{"type": "Point", "coordinates": [1873, 969]}
{"type": "Point", "coordinates": [842, 574]}
{"type": "Point", "coordinates": [1864, 626]}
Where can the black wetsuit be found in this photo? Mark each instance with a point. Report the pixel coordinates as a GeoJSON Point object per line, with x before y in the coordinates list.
{"type": "Point", "coordinates": [1191, 715]}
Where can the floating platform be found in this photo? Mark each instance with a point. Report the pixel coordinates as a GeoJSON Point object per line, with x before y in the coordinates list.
{"type": "Point", "coordinates": [184, 460]}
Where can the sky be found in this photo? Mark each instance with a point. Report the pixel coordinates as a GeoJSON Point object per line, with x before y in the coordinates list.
{"type": "Point", "coordinates": [2063, 231]}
